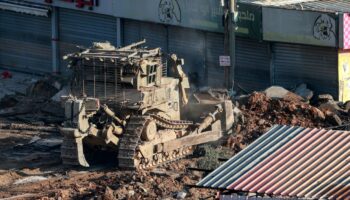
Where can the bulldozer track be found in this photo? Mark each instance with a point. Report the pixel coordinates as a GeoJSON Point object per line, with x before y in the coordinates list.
{"type": "Point", "coordinates": [170, 124]}
{"type": "Point", "coordinates": [130, 158]}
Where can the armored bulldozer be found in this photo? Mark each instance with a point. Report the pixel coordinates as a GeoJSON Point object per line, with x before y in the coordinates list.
{"type": "Point", "coordinates": [122, 101]}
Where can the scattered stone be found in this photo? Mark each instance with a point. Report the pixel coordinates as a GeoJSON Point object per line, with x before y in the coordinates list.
{"type": "Point", "coordinates": [325, 98]}
{"type": "Point", "coordinates": [331, 107]}
{"type": "Point", "coordinates": [30, 179]}
{"type": "Point", "coordinates": [109, 194]}
{"type": "Point", "coordinates": [276, 92]}
{"type": "Point", "coordinates": [304, 92]}
{"type": "Point", "coordinates": [131, 192]}
{"type": "Point", "coordinates": [161, 172]}
{"type": "Point", "coordinates": [34, 139]}
{"type": "Point", "coordinates": [181, 195]}
{"type": "Point", "coordinates": [334, 120]}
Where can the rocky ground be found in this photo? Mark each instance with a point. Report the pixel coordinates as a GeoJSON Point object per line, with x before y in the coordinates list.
{"type": "Point", "coordinates": [31, 169]}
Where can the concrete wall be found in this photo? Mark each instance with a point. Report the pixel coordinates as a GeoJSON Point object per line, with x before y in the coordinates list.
{"type": "Point", "coordinates": [197, 14]}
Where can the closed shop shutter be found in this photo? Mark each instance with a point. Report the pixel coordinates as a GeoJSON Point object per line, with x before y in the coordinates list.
{"type": "Point", "coordinates": [155, 34]}
{"type": "Point", "coordinates": [131, 31]}
{"type": "Point", "coordinates": [316, 66]}
{"type": "Point", "coordinates": [190, 45]}
{"type": "Point", "coordinates": [83, 28]}
{"type": "Point", "coordinates": [215, 48]}
{"type": "Point", "coordinates": [252, 70]}
{"type": "Point", "coordinates": [25, 42]}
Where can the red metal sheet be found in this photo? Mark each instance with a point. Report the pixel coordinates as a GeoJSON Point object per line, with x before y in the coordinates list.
{"type": "Point", "coordinates": [314, 164]}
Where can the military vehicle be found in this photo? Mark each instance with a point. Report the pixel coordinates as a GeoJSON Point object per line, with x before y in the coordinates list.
{"type": "Point", "coordinates": [122, 101]}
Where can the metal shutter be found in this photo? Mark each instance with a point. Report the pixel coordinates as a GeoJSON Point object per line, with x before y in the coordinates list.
{"type": "Point", "coordinates": [315, 66]}
{"type": "Point", "coordinates": [25, 42]}
{"type": "Point", "coordinates": [155, 34]}
{"type": "Point", "coordinates": [131, 31]}
{"type": "Point", "coordinates": [215, 48]}
{"type": "Point", "coordinates": [83, 28]}
{"type": "Point", "coordinates": [190, 45]}
{"type": "Point", "coordinates": [252, 70]}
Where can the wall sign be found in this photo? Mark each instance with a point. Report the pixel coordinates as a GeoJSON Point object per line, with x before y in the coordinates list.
{"type": "Point", "coordinates": [249, 21]}
{"type": "Point", "coordinates": [344, 76]}
{"type": "Point", "coordinates": [169, 11]}
{"type": "Point", "coordinates": [324, 27]}
{"type": "Point", "coordinates": [300, 26]}
{"type": "Point", "coordinates": [225, 61]}
{"type": "Point", "coordinates": [197, 14]}
{"type": "Point", "coordinates": [79, 3]}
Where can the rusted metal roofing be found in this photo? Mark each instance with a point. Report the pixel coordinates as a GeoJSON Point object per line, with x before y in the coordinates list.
{"type": "Point", "coordinates": [333, 6]}
{"type": "Point", "coordinates": [289, 162]}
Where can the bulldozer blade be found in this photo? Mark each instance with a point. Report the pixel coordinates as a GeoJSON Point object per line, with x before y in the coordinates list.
{"type": "Point", "coordinates": [72, 152]}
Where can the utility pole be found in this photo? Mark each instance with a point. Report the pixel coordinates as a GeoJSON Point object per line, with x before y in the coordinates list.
{"type": "Point", "coordinates": [229, 40]}
{"type": "Point", "coordinates": [232, 29]}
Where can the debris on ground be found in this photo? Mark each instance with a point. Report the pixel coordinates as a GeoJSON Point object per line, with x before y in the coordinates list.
{"type": "Point", "coordinates": [30, 179]}
{"type": "Point", "coordinates": [276, 105]}
{"type": "Point", "coordinates": [30, 151]}
{"type": "Point", "coordinates": [36, 103]}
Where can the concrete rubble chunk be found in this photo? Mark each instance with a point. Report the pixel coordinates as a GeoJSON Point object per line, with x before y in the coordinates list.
{"type": "Point", "coordinates": [181, 195]}
{"type": "Point", "coordinates": [160, 172]}
{"type": "Point", "coordinates": [30, 179]}
{"type": "Point", "coordinates": [278, 92]}
{"type": "Point", "coordinates": [304, 92]}
{"type": "Point", "coordinates": [325, 98]}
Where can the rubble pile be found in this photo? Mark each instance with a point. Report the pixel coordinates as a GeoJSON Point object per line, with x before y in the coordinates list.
{"type": "Point", "coordinates": [36, 104]}
{"type": "Point", "coordinates": [276, 105]}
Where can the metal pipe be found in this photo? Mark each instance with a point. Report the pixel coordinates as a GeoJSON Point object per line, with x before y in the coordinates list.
{"type": "Point", "coordinates": [119, 32]}
{"type": "Point", "coordinates": [54, 40]}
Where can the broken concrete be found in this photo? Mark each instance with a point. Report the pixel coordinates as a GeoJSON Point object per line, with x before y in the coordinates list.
{"type": "Point", "coordinates": [304, 92]}
{"type": "Point", "coordinates": [277, 92]}
{"type": "Point", "coordinates": [30, 179]}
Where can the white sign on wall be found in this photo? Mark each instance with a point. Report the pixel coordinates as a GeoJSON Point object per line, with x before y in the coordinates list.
{"type": "Point", "coordinates": [225, 61]}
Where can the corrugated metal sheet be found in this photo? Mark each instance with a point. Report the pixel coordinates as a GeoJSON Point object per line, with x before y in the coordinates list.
{"type": "Point", "coordinates": [237, 197]}
{"type": "Point", "coordinates": [25, 42]}
{"type": "Point", "coordinates": [332, 6]}
{"type": "Point", "coordinates": [83, 28]}
{"type": "Point", "coordinates": [323, 5]}
{"type": "Point", "coordinates": [290, 162]}
{"type": "Point", "coordinates": [252, 70]}
{"type": "Point", "coordinates": [214, 48]}
{"type": "Point", "coordinates": [316, 66]}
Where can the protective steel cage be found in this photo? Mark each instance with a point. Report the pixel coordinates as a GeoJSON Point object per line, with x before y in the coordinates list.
{"type": "Point", "coordinates": [101, 78]}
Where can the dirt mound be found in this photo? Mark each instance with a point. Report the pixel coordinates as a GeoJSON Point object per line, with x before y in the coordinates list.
{"type": "Point", "coordinates": [261, 113]}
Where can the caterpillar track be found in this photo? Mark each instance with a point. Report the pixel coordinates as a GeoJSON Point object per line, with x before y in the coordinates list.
{"type": "Point", "coordinates": [171, 124]}
{"type": "Point", "coordinates": [129, 157]}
